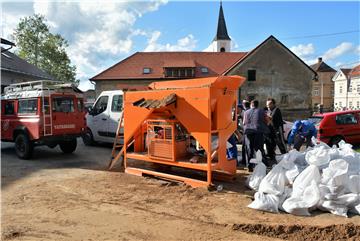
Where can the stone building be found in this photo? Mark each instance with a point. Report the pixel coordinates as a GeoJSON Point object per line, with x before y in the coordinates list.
{"type": "Point", "coordinates": [347, 89]}
{"type": "Point", "coordinates": [323, 87]}
{"type": "Point", "coordinates": [271, 69]}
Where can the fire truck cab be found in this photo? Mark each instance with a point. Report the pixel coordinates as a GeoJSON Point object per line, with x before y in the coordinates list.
{"type": "Point", "coordinates": [42, 113]}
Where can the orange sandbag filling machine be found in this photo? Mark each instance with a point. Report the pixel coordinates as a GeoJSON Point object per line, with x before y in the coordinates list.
{"type": "Point", "coordinates": [183, 123]}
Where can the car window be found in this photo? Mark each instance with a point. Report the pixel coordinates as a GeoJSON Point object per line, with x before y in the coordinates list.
{"type": "Point", "coordinates": [101, 105]}
{"type": "Point", "coordinates": [345, 119]}
{"type": "Point", "coordinates": [116, 105]}
{"type": "Point", "coordinates": [9, 108]}
{"type": "Point", "coordinates": [63, 104]}
{"type": "Point", "coordinates": [27, 106]}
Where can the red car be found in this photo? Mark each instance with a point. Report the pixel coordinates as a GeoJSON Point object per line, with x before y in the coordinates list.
{"type": "Point", "coordinates": [336, 126]}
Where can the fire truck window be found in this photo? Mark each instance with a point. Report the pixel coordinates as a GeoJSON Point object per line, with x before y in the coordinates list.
{"type": "Point", "coordinates": [117, 102]}
{"type": "Point", "coordinates": [63, 104]}
{"type": "Point", "coordinates": [80, 105]}
{"type": "Point", "coordinates": [9, 108]}
{"type": "Point", "coordinates": [27, 106]}
{"type": "Point", "coordinates": [101, 105]}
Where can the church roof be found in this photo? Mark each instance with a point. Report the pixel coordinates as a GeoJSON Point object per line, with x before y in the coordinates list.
{"type": "Point", "coordinates": [221, 33]}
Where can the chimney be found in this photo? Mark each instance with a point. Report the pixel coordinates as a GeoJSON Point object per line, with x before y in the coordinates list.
{"type": "Point", "coordinates": [319, 60]}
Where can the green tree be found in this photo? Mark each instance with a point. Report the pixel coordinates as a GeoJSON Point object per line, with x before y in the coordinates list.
{"type": "Point", "coordinates": [45, 50]}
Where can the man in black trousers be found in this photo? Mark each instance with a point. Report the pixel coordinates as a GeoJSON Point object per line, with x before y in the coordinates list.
{"type": "Point", "coordinates": [254, 130]}
{"type": "Point", "coordinates": [276, 135]}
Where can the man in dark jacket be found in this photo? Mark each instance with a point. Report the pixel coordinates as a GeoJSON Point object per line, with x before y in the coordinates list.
{"type": "Point", "coordinates": [276, 135]}
{"type": "Point", "coordinates": [254, 130]}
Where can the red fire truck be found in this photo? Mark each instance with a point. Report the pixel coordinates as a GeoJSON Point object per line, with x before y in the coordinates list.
{"type": "Point", "coordinates": [42, 113]}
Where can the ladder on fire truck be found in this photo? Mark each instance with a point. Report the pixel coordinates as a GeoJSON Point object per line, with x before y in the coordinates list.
{"type": "Point", "coordinates": [118, 147]}
{"type": "Point", "coordinates": [41, 88]}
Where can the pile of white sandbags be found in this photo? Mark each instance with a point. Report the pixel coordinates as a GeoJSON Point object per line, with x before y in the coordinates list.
{"type": "Point", "coordinates": [320, 178]}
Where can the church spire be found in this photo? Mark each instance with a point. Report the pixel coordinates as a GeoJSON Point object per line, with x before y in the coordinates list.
{"type": "Point", "coordinates": [221, 33]}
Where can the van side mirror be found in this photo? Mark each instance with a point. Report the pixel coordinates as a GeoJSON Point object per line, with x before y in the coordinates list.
{"type": "Point", "coordinates": [90, 110]}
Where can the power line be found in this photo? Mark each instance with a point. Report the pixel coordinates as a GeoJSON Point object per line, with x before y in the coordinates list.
{"type": "Point", "coordinates": [321, 35]}
{"type": "Point", "coordinates": [307, 36]}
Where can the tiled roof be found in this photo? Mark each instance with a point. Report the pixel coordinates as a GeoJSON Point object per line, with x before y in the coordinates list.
{"type": "Point", "coordinates": [355, 71]}
{"type": "Point", "coordinates": [322, 67]}
{"type": "Point", "coordinates": [12, 63]}
{"type": "Point", "coordinates": [132, 67]}
{"type": "Point", "coordinates": [346, 72]}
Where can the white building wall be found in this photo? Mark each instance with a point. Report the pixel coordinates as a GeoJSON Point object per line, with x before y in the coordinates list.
{"type": "Point", "coordinates": [346, 97]}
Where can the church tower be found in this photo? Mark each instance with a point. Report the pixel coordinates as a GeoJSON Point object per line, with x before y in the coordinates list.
{"type": "Point", "coordinates": [222, 41]}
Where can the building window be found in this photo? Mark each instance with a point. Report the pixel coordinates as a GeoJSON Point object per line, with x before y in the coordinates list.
{"type": "Point", "coordinates": [332, 92]}
{"type": "Point", "coordinates": [340, 104]}
{"type": "Point", "coordinates": [350, 88]}
{"type": "Point", "coordinates": [340, 90]}
{"type": "Point", "coordinates": [179, 72]}
{"type": "Point", "coordinates": [222, 49]}
{"type": "Point", "coordinates": [316, 91]}
{"type": "Point", "coordinates": [350, 103]}
{"type": "Point", "coordinates": [146, 70]}
{"type": "Point", "coordinates": [284, 99]}
{"type": "Point", "coordinates": [204, 70]}
{"type": "Point", "coordinates": [357, 104]}
{"type": "Point", "coordinates": [251, 75]}
{"type": "Point", "coordinates": [358, 88]}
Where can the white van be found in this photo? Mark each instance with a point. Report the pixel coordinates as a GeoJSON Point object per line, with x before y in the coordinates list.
{"type": "Point", "coordinates": [103, 118]}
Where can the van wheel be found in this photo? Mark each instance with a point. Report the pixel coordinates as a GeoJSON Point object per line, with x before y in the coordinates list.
{"type": "Point", "coordinates": [88, 138]}
{"type": "Point", "coordinates": [335, 140]}
{"type": "Point", "coordinates": [68, 146]}
{"type": "Point", "coordinates": [23, 146]}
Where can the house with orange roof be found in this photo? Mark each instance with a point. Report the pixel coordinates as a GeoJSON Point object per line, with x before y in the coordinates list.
{"type": "Point", "coordinates": [323, 86]}
{"type": "Point", "coordinates": [271, 69]}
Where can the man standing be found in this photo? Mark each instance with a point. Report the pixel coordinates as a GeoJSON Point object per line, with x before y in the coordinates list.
{"type": "Point", "coordinates": [254, 130]}
{"type": "Point", "coordinates": [276, 135]}
{"type": "Point", "coordinates": [302, 131]}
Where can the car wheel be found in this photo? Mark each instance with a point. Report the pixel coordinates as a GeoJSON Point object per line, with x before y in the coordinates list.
{"type": "Point", "coordinates": [335, 140]}
{"type": "Point", "coordinates": [68, 146]}
{"type": "Point", "coordinates": [88, 138]}
{"type": "Point", "coordinates": [23, 146]}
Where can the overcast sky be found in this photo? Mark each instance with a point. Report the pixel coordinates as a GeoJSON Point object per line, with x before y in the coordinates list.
{"type": "Point", "coordinates": [101, 33]}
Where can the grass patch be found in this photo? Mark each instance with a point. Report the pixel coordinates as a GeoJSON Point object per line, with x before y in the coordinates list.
{"type": "Point", "coordinates": [358, 150]}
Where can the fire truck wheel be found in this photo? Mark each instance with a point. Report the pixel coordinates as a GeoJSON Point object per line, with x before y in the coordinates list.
{"type": "Point", "coordinates": [23, 146]}
{"type": "Point", "coordinates": [88, 138]}
{"type": "Point", "coordinates": [68, 146]}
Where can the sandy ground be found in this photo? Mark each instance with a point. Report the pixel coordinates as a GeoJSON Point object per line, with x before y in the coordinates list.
{"type": "Point", "coordinates": [71, 197]}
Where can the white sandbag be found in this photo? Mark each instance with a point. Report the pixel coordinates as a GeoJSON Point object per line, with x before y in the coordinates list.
{"type": "Point", "coordinates": [336, 174]}
{"type": "Point", "coordinates": [274, 181]}
{"type": "Point", "coordinates": [265, 202]}
{"type": "Point", "coordinates": [304, 179]}
{"type": "Point", "coordinates": [292, 174]}
{"type": "Point", "coordinates": [332, 207]}
{"type": "Point", "coordinates": [284, 196]}
{"type": "Point", "coordinates": [318, 156]}
{"type": "Point", "coordinates": [355, 209]}
{"type": "Point", "coordinates": [353, 184]}
{"type": "Point", "coordinates": [300, 205]}
{"type": "Point", "coordinates": [254, 180]}
{"type": "Point", "coordinates": [348, 200]}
